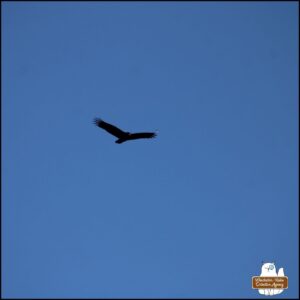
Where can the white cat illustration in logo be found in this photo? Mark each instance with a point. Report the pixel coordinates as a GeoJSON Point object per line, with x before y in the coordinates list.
{"type": "Point", "coordinates": [269, 270]}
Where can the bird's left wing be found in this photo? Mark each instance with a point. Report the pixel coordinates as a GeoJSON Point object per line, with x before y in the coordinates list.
{"type": "Point", "coordinates": [109, 128]}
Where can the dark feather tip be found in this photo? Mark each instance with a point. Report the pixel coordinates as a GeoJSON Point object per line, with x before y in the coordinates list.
{"type": "Point", "coordinates": [97, 121]}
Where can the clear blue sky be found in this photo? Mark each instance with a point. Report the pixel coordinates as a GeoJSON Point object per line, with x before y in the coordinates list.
{"type": "Point", "coordinates": [189, 214]}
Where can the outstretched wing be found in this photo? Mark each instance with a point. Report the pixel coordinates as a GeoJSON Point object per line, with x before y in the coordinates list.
{"type": "Point", "coordinates": [280, 272]}
{"type": "Point", "coordinates": [109, 128]}
{"type": "Point", "coordinates": [142, 135]}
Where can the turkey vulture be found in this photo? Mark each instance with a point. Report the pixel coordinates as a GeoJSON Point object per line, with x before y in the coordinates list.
{"type": "Point", "coordinates": [122, 135]}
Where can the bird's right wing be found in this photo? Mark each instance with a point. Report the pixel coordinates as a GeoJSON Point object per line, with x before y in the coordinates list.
{"type": "Point", "coordinates": [109, 128]}
{"type": "Point", "coordinates": [280, 272]}
{"type": "Point", "coordinates": [143, 135]}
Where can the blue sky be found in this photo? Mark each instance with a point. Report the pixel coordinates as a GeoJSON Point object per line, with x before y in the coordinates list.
{"type": "Point", "coordinates": [189, 214]}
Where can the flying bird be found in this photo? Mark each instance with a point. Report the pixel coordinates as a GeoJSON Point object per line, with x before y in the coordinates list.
{"type": "Point", "coordinates": [122, 135]}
